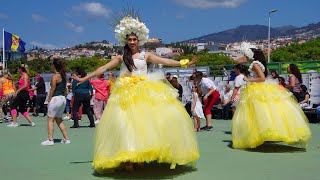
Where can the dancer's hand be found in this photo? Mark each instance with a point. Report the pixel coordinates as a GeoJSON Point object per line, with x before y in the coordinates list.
{"type": "Point", "coordinates": [75, 77]}
{"type": "Point", "coordinates": [193, 61]}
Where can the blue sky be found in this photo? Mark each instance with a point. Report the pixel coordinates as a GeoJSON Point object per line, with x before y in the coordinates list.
{"type": "Point", "coordinates": [63, 23]}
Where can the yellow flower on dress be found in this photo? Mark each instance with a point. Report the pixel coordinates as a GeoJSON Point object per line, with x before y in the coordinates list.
{"type": "Point", "coordinates": [131, 80]}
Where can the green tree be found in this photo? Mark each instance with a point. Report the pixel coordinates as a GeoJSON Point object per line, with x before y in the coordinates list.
{"type": "Point", "coordinates": [88, 64]}
{"type": "Point", "coordinates": [297, 52]}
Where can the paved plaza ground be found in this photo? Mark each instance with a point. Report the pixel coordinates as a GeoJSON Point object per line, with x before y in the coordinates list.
{"type": "Point", "coordinates": [22, 157]}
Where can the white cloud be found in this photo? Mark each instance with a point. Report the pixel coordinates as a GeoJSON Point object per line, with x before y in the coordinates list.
{"type": "Point", "coordinates": [206, 4]}
{"type": "Point", "coordinates": [43, 45]}
{"type": "Point", "coordinates": [92, 9]}
{"type": "Point", "coordinates": [38, 18]}
{"type": "Point", "coordinates": [73, 27]}
{"type": "Point", "coordinates": [4, 16]}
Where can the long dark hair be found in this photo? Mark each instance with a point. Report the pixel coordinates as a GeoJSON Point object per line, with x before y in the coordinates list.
{"type": "Point", "coordinates": [242, 68]}
{"type": "Point", "coordinates": [60, 67]}
{"type": "Point", "coordinates": [295, 71]}
{"type": "Point", "coordinates": [259, 56]}
{"type": "Point", "coordinates": [127, 58]}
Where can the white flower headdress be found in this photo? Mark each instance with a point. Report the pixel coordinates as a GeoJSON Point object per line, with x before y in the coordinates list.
{"type": "Point", "coordinates": [131, 25]}
{"type": "Point", "coordinates": [245, 48]}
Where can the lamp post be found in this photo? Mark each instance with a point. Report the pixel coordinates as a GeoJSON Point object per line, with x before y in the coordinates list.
{"type": "Point", "coordinates": [275, 10]}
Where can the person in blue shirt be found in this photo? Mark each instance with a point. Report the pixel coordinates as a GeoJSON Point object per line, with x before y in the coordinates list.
{"type": "Point", "coordinates": [82, 95]}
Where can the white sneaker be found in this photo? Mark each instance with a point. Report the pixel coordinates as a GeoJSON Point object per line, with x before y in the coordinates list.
{"type": "Point", "coordinates": [47, 143]}
{"type": "Point", "coordinates": [97, 121]}
{"type": "Point", "coordinates": [32, 124]}
{"type": "Point", "coordinates": [65, 141]}
{"type": "Point", "coordinates": [1, 121]}
{"type": "Point", "coordinates": [66, 118]}
{"type": "Point", "coordinates": [13, 125]}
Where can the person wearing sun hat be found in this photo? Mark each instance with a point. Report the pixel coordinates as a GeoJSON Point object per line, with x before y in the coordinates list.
{"type": "Point", "coordinates": [143, 121]}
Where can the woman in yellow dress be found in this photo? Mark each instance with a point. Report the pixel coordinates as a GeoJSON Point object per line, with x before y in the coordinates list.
{"type": "Point", "coordinates": [143, 120]}
{"type": "Point", "coordinates": [266, 112]}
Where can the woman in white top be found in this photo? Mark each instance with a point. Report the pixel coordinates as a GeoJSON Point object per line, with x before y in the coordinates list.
{"type": "Point", "coordinates": [143, 120]}
{"type": "Point", "coordinates": [266, 112]}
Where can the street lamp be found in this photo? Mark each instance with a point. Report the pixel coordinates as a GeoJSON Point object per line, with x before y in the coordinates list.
{"type": "Point", "coordinates": [275, 10]}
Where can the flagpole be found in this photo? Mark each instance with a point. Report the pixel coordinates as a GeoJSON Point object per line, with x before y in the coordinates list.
{"type": "Point", "coordinates": [3, 51]}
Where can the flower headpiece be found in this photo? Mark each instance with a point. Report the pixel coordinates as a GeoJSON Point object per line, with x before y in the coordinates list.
{"type": "Point", "coordinates": [129, 25]}
{"type": "Point", "coordinates": [245, 48]}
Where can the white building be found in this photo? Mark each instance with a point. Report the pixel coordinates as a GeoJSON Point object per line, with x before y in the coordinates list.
{"type": "Point", "coordinates": [201, 46]}
{"type": "Point", "coordinates": [163, 51]}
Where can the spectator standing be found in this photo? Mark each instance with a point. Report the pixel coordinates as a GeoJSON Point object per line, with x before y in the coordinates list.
{"type": "Point", "coordinates": [57, 102]}
{"type": "Point", "coordinates": [211, 96]}
{"type": "Point", "coordinates": [40, 87]}
{"type": "Point", "coordinates": [22, 97]}
{"type": "Point", "coordinates": [82, 95]}
{"type": "Point", "coordinates": [8, 89]}
{"type": "Point", "coordinates": [68, 100]}
{"type": "Point", "coordinates": [295, 80]}
{"type": "Point", "coordinates": [102, 91]}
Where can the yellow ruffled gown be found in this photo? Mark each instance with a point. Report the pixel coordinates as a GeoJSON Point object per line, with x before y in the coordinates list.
{"type": "Point", "coordinates": [143, 122]}
{"type": "Point", "coordinates": [266, 112]}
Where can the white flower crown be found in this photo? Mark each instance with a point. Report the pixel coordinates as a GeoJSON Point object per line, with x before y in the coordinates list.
{"type": "Point", "coordinates": [245, 48]}
{"type": "Point", "coordinates": [129, 25]}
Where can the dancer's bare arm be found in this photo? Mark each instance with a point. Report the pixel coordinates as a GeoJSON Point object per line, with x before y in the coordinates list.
{"type": "Point", "coordinates": [166, 61]}
{"type": "Point", "coordinates": [110, 65]}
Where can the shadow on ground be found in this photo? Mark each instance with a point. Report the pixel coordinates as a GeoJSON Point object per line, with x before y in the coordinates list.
{"type": "Point", "coordinates": [271, 147]}
{"type": "Point", "coordinates": [24, 125]}
{"type": "Point", "coordinates": [149, 171]}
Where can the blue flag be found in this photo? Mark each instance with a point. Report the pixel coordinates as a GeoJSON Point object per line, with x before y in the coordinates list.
{"type": "Point", "coordinates": [13, 42]}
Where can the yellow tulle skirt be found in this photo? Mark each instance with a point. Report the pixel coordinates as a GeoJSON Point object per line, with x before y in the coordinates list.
{"type": "Point", "coordinates": [266, 112]}
{"type": "Point", "coordinates": [144, 122]}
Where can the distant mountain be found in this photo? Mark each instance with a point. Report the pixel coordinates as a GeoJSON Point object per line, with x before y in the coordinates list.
{"type": "Point", "coordinates": [283, 29]}
{"type": "Point", "coordinates": [260, 32]}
